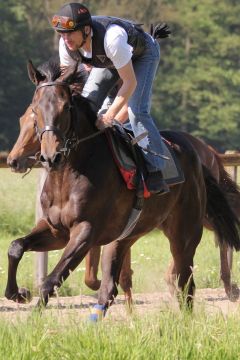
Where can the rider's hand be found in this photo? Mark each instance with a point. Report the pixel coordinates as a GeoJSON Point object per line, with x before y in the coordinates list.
{"type": "Point", "coordinates": [103, 121]}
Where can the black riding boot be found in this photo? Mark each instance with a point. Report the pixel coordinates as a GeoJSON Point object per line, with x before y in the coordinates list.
{"type": "Point", "coordinates": [156, 184]}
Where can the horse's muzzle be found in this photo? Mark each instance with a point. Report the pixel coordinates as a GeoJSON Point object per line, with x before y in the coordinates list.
{"type": "Point", "coordinates": [17, 165]}
{"type": "Point", "coordinates": [52, 162]}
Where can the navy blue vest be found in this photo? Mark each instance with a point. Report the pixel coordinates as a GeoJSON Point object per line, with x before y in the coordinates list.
{"type": "Point", "coordinates": [136, 39]}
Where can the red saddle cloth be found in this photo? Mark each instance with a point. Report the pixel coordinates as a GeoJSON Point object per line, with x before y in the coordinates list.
{"type": "Point", "coordinates": [123, 160]}
{"type": "Point", "coordinates": [122, 152]}
{"type": "Point", "coordinates": [131, 164]}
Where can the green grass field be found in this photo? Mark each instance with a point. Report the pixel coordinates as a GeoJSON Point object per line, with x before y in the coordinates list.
{"type": "Point", "coordinates": [165, 335]}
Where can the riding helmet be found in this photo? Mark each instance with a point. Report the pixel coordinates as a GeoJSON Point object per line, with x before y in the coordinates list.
{"type": "Point", "coordinates": [71, 17]}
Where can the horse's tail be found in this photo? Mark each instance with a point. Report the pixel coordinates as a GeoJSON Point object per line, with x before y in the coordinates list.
{"type": "Point", "coordinates": [220, 214]}
{"type": "Point", "coordinates": [225, 180]}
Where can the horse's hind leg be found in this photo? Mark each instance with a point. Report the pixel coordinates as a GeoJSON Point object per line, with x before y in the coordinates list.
{"type": "Point", "coordinates": [171, 278]}
{"type": "Point", "coordinates": [125, 279]}
{"type": "Point", "coordinates": [231, 289]}
{"type": "Point", "coordinates": [40, 239]}
{"type": "Point", "coordinates": [92, 262]}
{"type": "Point", "coordinates": [184, 240]}
{"type": "Point", "coordinates": [112, 260]}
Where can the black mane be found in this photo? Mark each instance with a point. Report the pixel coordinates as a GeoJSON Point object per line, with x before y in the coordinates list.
{"type": "Point", "coordinates": [51, 68]}
{"type": "Point", "coordinates": [83, 104]}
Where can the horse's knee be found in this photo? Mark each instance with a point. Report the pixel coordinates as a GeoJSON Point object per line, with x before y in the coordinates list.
{"type": "Point", "coordinates": [93, 284]}
{"type": "Point", "coordinates": [15, 250]}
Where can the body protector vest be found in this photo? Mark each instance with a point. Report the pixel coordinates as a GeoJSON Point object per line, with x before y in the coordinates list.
{"type": "Point", "coordinates": [136, 38]}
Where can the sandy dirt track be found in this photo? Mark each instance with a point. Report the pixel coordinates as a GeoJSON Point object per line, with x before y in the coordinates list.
{"type": "Point", "coordinates": [214, 301]}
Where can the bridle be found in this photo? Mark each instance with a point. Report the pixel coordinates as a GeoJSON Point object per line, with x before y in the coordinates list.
{"type": "Point", "coordinates": [73, 141]}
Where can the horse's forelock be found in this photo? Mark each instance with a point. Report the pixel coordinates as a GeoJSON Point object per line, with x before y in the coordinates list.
{"type": "Point", "coordinates": [51, 68]}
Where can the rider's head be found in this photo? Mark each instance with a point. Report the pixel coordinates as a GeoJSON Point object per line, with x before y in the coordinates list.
{"type": "Point", "coordinates": [72, 17]}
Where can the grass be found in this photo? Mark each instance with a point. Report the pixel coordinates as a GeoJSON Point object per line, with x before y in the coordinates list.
{"type": "Point", "coordinates": [166, 335]}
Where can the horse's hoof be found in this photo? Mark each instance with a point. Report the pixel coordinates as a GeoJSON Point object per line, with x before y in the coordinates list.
{"type": "Point", "coordinates": [234, 293]}
{"type": "Point", "coordinates": [24, 296]}
{"type": "Point", "coordinates": [97, 313]}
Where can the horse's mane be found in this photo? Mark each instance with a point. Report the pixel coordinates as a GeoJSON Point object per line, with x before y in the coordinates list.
{"type": "Point", "coordinates": [84, 105]}
{"type": "Point", "coordinates": [51, 68]}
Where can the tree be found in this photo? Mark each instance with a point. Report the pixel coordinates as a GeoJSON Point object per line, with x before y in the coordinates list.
{"type": "Point", "coordinates": [198, 81]}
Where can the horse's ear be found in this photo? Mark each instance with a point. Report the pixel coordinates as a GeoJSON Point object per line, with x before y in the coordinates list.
{"type": "Point", "coordinates": [34, 75]}
{"type": "Point", "coordinates": [69, 73]}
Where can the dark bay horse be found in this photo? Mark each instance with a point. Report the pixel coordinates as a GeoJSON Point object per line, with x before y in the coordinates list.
{"type": "Point", "coordinates": [75, 199]}
{"type": "Point", "coordinates": [22, 157]}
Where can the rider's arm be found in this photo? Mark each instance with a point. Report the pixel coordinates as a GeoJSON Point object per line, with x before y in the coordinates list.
{"type": "Point", "coordinates": [120, 52]}
{"type": "Point", "coordinates": [118, 108]}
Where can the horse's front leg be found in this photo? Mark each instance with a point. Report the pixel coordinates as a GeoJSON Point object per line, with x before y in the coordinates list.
{"type": "Point", "coordinates": [79, 244]}
{"type": "Point", "coordinates": [113, 256]}
{"type": "Point", "coordinates": [41, 238]}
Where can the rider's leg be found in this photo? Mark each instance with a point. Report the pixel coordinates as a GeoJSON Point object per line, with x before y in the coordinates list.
{"type": "Point", "coordinates": [99, 83]}
{"type": "Point", "coordinates": [145, 68]}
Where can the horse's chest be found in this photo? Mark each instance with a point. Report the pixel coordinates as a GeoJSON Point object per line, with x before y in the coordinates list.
{"type": "Point", "coordinates": [69, 213]}
{"type": "Point", "coordinates": [63, 203]}
{"type": "Point", "coordinates": [65, 212]}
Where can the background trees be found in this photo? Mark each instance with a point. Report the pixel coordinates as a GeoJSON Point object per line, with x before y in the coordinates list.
{"type": "Point", "coordinates": [198, 82]}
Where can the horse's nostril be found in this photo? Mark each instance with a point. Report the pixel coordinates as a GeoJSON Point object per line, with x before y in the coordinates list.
{"type": "Point", "coordinates": [13, 163]}
{"type": "Point", "coordinates": [57, 158]}
{"type": "Point", "coordinates": [42, 158]}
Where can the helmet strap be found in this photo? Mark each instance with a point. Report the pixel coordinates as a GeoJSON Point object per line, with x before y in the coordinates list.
{"type": "Point", "coordinates": [85, 35]}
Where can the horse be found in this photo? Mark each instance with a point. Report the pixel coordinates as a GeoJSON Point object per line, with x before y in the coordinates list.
{"type": "Point", "coordinates": [77, 216]}
{"type": "Point", "coordinates": [24, 155]}
{"type": "Point", "coordinates": [20, 159]}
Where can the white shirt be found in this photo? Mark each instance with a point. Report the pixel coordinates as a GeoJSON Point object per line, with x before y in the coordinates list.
{"type": "Point", "coordinates": [115, 45]}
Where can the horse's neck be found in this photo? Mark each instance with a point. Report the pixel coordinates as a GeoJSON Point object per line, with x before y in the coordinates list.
{"type": "Point", "coordinates": [84, 119]}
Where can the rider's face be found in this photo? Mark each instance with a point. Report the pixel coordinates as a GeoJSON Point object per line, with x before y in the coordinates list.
{"type": "Point", "coordinates": [73, 39]}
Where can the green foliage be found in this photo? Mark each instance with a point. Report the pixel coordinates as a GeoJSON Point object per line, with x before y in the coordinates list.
{"type": "Point", "coordinates": [23, 36]}
{"type": "Point", "coordinates": [197, 85]}
{"type": "Point", "coordinates": [198, 81]}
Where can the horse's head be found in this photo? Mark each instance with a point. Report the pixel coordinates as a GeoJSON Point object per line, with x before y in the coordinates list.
{"type": "Point", "coordinates": [23, 154]}
{"type": "Point", "coordinates": [27, 145]}
{"type": "Point", "coordinates": [54, 106]}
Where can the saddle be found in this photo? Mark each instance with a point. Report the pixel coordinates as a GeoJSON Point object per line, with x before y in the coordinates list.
{"type": "Point", "coordinates": [130, 161]}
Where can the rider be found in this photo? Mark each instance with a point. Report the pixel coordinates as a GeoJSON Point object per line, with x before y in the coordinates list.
{"type": "Point", "coordinates": [115, 48]}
